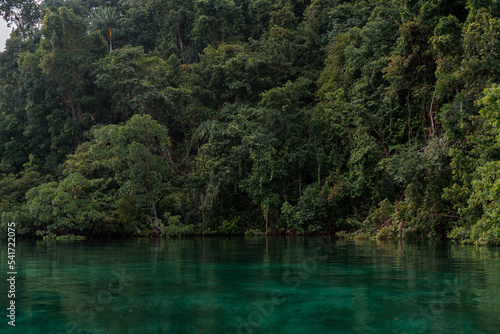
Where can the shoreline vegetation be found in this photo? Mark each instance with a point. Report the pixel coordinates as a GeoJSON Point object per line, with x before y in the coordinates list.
{"type": "Point", "coordinates": [168, 118]}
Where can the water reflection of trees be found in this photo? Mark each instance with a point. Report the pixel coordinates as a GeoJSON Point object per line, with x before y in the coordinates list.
{"type": "Point", "coordinates": [214, 281]}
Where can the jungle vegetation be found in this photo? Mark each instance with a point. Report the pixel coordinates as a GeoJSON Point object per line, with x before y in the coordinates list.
{"type": "Point", "coordinates": [280, 117]}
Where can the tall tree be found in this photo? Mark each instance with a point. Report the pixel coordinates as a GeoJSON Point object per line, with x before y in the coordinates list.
{"type": "Point", "coordinates": [107, 20]}
{"type": "Point", "coordinates": [68, 53]}
{"type": "Point", "coordinates": [24, 14]}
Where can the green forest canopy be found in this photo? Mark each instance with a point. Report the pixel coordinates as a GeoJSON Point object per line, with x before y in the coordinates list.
{"type": "Point", "coordinates": [172, 117]}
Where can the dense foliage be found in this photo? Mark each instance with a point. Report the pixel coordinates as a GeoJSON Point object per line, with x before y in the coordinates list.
{"type": "Point", "coordinates": [168, 117]}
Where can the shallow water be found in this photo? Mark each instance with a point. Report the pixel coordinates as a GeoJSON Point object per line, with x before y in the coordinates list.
{"type": "Point", "coordinates": [252, 285]}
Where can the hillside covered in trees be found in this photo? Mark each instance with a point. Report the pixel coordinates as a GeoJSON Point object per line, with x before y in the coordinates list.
{"type": "Point", "coordinates": [173, 117]}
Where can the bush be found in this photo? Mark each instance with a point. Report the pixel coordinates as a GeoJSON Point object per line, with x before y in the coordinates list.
{"type": "Point", "coordinates": [174, 227]}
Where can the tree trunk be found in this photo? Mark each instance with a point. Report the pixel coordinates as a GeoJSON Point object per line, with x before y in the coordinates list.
{"type": "Point", "coordinates": [431, 116]}
{"type": "Point", "coordinates": [110, 40]}
{"type": "Point", "coordinates": [155, 225]}
{"type": "Point", "coordinates": [154, 209]}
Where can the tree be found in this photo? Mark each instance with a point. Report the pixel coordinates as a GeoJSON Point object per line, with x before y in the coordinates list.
{"type": "Point", "coordinates": [138, 83]}
{"type": "Point", "coordinates": [107, 20]}
{"type": "Point", "coordinates": [135, 155]}
{"type": "Point", "coordinates": [476, 194]}
{"type": "Point", "coordinates": [67, 55]}
{"type": "Point", "coordinates": [121, 164]}
{"type": "Point", "coordinates": [25, 14]}
{"type": "Point", "coordinates": [70, 206]}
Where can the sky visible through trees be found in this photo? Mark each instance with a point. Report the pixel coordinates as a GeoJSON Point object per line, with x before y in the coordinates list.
{"type": "Point", "coordinates": [4, 33]}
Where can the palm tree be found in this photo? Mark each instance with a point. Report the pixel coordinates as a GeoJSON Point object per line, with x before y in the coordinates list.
{"type": "Point", "coordinates": [107, 20]}
{"type": "Point", "coordinates": [125, 2]}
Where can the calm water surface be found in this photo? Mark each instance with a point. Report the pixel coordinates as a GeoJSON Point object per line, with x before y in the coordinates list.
{"type": "Point", "coordinates": [238, 285]}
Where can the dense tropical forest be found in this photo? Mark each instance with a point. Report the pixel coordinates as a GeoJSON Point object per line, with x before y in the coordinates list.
{"type": "Point", "coordinates": [280, 117]}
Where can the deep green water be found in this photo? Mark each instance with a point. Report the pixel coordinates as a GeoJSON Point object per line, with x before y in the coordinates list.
{"type": "Point", "coordinates": [237, 285]}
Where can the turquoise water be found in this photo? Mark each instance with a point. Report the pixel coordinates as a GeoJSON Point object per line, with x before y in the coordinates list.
{"type": "Point", "coordinates": [242, 285]}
